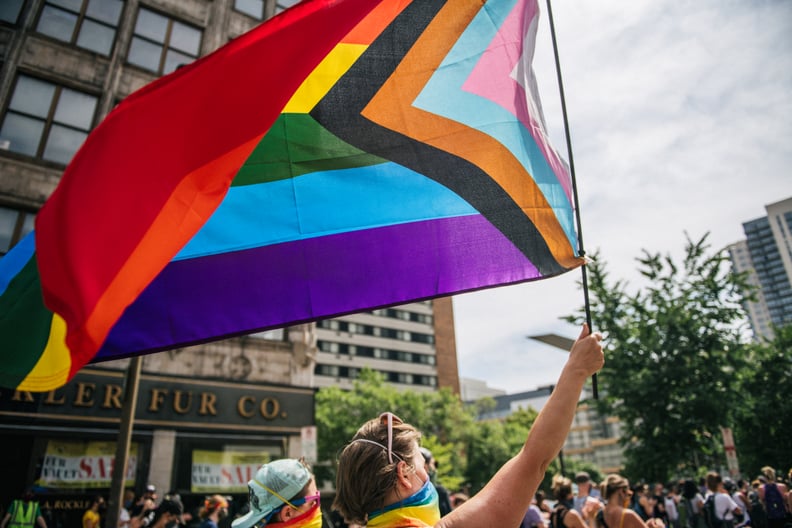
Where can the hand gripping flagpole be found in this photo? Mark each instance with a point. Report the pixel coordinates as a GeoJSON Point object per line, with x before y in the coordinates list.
{"type": "Point", "coordinates": [582, 252]}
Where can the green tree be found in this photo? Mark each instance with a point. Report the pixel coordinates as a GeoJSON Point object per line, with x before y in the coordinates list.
{"type": "Point", "coordinates": [493, 443]}
{"type": "Point", "coordinates": [673, 349]}
{"type": "Point", "coordinates": [763, 424]}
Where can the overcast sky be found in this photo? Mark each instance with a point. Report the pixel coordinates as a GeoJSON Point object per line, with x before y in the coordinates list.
{"type": "Point", "coordinates": [681, 121]}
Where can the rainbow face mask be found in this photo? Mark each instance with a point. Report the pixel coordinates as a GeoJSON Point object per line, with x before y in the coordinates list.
{"type": "Point", "coordinates": [422, 508]}
{"type": "Point", "coordinates": [312, 518]}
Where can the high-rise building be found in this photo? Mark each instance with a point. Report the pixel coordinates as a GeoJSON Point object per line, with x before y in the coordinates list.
{"type": "Point", "coordinates": [64, 65]}
{"type": "Point", "coordinates": [766, 254]}
{"type": "Point", "coordinates": [758, 313]}
{"type": "Point", "coordinates": [411, 345]}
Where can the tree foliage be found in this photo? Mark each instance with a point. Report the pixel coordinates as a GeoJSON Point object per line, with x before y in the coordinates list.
{"type": "Point", "coordinates": [493, 442]}
{"type": "Point", "coordinates": [763, 421]}
{"type": "Point", "coordinates": [673, 349]}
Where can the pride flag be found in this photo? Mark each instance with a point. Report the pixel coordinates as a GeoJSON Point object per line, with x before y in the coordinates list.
{"type": "Point", "coordinates": [397, 154]}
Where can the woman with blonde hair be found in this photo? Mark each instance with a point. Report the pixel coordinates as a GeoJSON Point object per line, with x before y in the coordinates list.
{"type": "Point", "coordinates": [617, 513]}
{"type": "Point", "coordinates": [382, 480]}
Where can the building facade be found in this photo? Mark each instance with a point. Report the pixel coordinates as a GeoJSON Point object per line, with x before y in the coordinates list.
{"type": "Point", "coordinates": [757, 310]}
{"type": "Point", "coordinates": [208, 415]}
{"type": "Point", "coordinates": [766, 254]}
{"type": "Point", "coordinates": [406, 344]}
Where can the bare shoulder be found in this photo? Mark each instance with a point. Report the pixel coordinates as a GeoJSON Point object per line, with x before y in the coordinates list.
{"type": "Point", "coordinates": [573, 519]}
{"type": "Point", "coordinates": [632, 519]}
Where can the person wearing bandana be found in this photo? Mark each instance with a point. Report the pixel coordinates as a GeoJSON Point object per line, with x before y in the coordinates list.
{"type": "Point", "coordinates": [283, 493]}
{"type": "Point", "coordinates": [382, 480]}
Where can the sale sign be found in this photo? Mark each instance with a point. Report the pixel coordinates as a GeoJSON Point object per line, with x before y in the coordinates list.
{"type": "Point", "coordinates": [225, 471]}
{"type": "Point", "coordinates": [87, 464]}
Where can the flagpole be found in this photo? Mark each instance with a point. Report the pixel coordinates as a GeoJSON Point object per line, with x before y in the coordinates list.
{"type": "Point", "coordinates": [121, 461]}
{"type": "Point", "coordinates": [582, 252]}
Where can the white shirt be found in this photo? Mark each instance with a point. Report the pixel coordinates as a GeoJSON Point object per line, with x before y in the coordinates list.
{"type": "Point", "coordinates": [724, 506]}
{"type": "Point", "coordinates": [671, 508]}
{"type": "Point", "coordinates": [744, 508]}
{"type": "Point", "coordinates": [123, 518]}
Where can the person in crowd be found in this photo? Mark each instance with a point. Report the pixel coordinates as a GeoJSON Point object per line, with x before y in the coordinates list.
{"type": "Point", "coordinates": [657, 501]}
{"type": "Point", "coordinates": [756, 508]}
{"type": "Point", "coordinates": [735, 491]}
{"type": "Point", "coordinates": [617, 512]}
{"type": "Point", "coordinates": [641, 503]}
{"type": "Point", "coordinates": [24, 512]}
{"type": "Point", "coordinates": [671, 500]}
{"type": "Point", "coordinates": [789, 495]}
{"type": "Point", "coordinates": [145, 503]}
{"type": "Point", "coordinates": [282, 493]}
{"type": "Point", "coordinates": [541, 502]}
{"type": "Point", "coordinates": [185, 517]}
{"type": "Point", "coordinates": [167, 513]}
{"type": "Point", "coordinates": [726, 510]}
{"type": "Point", "coordinates": [584, 490]}
{"type": "Point", "coordinates": [124, 518]}
{"type": "Point", "coordinates": [690, 505]}
{"type": "Point", "coordinates": [533, 517]}
{"type": "Point", "coordinates": [382, 479]}
{"type": "Point", "coordinates": [431, 467]}
{"type": "Point", "coordinates": [564, 515]}
{"type": "Point", "coordinates": [214, 509]}
{"type": "Point", "coordinates": [143, 509]}
{"type": "Point", "coordinates": [92, 516]}
{"type": "Point", "coordinates": [773, 497]}
{"type": "Point", "coordinates": [458, 499]}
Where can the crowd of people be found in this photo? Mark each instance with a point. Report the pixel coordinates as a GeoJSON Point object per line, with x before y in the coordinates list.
{"type": "Point", "coordinates": [712, 502]}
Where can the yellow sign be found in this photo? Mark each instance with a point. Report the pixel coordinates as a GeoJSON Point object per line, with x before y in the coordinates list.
{"type": "Point", "coordinates": [225, 471]}
{"type": "Point", "coordinates": [70, 464]}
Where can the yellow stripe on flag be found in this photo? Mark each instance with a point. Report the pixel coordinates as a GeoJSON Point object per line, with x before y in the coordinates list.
{"type": "Point", "coordinates": [319, 82]}
{"type": "Point", "coordinates": [52, 369]}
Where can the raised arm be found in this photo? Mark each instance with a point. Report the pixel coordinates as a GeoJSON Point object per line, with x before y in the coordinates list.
{"type": "Point", "coordinates": [506, 497]}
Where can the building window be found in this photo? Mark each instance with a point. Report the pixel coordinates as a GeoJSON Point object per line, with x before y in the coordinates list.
{"type": "Point", "coordinates": [405, 378]}
{"type": "Point", "coordinates": [14, 225]}
{"type": "Point", "coordinates": [89, 24]}
{"type": "Point", "coordinates": [254, 8]}
{"type": "Point", "coordinates": [327, 370]}
{"type": "Point", "coordinates": [10, 9]}
{"type": "Point", "coordinates": [161, 44]}
{"type": "Point", "coordinates": [282, 5]}
{"type": "Point", "coordinates": [46, 120]}
{"type": "Point", "coordinates": [329, 324]}
{"type": "Point", "coordinates": [329, 346]}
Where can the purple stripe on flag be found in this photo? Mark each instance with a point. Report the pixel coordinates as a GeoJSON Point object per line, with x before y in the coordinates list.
{"type": "Point", "coordinates": [195, 300]}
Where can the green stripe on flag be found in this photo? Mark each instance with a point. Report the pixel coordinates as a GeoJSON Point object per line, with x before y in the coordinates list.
{"type": "Point", "coordinates": [295, 145]}
{"type": "Point", "coordinates": [24, 323]}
